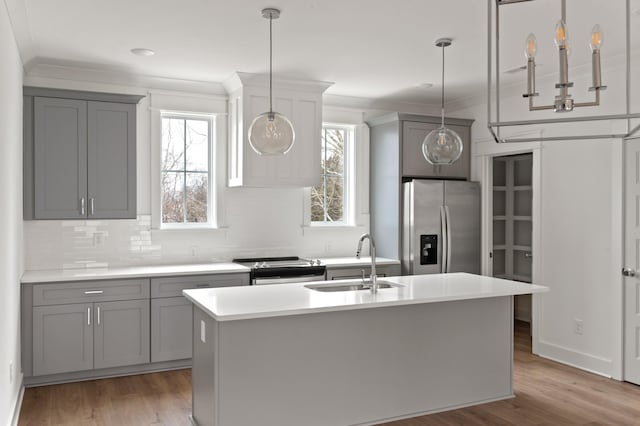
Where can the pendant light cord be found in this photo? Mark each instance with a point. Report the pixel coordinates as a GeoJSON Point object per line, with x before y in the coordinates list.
{"type": "Point", "coordinates": [271, 64]}
{"type": "Point", "coordinates": [442, 98]}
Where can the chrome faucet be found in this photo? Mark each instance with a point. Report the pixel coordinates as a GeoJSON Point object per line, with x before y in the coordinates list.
{"type": "Point", "coordinates": [374, 281]}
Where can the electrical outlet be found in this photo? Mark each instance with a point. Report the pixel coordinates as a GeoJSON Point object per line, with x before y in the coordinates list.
{"type": "Point", "coordinates": [98, 238]}
{"type": "Point", "coordinates": [194, 251]}
{"type": "Point", "coordinates": [578, 326]}
{"type": "Point", "coordinates": [10, 373]}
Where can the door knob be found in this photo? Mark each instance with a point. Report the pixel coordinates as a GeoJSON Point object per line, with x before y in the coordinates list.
{"type": "Point", "coordinates": [628, 272]}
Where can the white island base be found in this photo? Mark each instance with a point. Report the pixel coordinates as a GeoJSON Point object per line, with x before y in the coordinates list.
{"type": "Point", "coordinates": [351, 367]}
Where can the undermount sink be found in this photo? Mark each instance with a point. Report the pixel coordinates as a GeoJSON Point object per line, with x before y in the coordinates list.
{"type": "Point", "coordinates": [350, 286]}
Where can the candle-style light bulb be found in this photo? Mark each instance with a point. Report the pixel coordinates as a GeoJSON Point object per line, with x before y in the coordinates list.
{"type": "Point", "coordinates": [531, 47]}
{"type": "Point", "coordinates": [561, 35]}
{"type": "Point", "coordinates": [597, 37]}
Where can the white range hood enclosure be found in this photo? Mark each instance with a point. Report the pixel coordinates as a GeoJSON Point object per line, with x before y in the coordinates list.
{"type": "Point", "coordinates": [301, 102]}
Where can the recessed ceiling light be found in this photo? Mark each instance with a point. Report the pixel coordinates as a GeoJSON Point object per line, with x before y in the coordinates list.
{"type": "Point", "coordinates": [142, 52]}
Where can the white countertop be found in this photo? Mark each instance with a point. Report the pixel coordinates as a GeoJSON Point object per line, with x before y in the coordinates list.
{"type": "Point", "coordinates": [60, 275]}
{"type": "Point", "coordinates": [344, 262]}
{"type": "Point", "coordinates": [238, 303]}
{"type": "Point", "coordinates": [66, 275]}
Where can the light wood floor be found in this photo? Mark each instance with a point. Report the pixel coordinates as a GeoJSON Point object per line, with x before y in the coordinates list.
{"type": "Point", "coordinates": [547, 393]}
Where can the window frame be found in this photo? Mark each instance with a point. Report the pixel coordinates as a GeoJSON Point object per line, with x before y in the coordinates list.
{"type": "Point", "coordinates": [349, 178]}
{"type": "Point", "coordinates": [211, 193]}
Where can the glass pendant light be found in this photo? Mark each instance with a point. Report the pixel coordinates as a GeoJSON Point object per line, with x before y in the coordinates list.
{"type": "Point", "coordinates": [442, 146]}
{"type": "Point", "coordinates": [271, 133]}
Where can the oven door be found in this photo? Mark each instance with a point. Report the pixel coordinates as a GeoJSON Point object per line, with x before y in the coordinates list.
{"type": "Point", "coordinates": [287, 280]}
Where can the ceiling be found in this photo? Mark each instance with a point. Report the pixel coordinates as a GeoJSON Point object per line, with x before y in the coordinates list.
{"type": "Point", "coordinates": [371, 49]}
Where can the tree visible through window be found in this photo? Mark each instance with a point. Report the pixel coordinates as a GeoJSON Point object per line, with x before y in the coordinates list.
{"type": "Point", "coordinates": [185, 169]}
{"type": "Point", "coordinates": [328, 200]}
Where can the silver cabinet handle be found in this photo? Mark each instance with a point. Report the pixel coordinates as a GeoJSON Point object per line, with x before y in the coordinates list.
{"type": "Point", "coordinates": [91, 205]}
{"type": "Point", "coordinates": [529, 255]}
{"type": "Point", "coordinates": [94, 292]}
{"type": "Point", "coordinates": [98, 315]}
{"type": "Point", "coordinates": [202, 285]}
{"type": "Point", "coordinates": [628, 272]}
{"type": "Point", "coordinates": [88, 316]}
{"type": "Point", "coordinates": [83, 207]}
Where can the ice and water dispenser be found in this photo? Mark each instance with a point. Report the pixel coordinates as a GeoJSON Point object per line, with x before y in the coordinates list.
{"type": "Point", "coordinates": [429, 249]}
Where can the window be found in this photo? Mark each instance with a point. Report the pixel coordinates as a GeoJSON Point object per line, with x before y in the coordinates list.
{"type": "Point", "coordinates": [186, 171]}
{"type": "Point", "coordinates": [330, 202]}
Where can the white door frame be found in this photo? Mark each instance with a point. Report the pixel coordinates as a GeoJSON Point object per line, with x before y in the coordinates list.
{"type": "Point", "coordinates": [619, 198]}
{"type": "Point", "coordinates": [485, 152]}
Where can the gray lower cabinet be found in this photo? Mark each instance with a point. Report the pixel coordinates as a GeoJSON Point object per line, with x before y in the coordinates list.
{"type": "Point", "coordinates": [358, 272]}
{"type": "Point", "coordinates": [172, 314]}
{"type": "Point", "coordinates": [62, 338]}
{"type": "Point", "coordinates": [87, 336]}
{"type": "Point", "coordinates": [171, 332]}
{"type": "Point", "coordinates": [79, 155]}
{"type": "Point", "coordinates": [121, 333]}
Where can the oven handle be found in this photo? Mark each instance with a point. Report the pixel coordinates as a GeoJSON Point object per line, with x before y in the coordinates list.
{"type": "Point", "coordinates": [289, 280]}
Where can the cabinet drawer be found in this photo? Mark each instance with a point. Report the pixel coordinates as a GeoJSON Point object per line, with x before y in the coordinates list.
{"type": "Point", "coordinates": [173, 286]}
{"type": "Point", "coordinates": [90, 291]}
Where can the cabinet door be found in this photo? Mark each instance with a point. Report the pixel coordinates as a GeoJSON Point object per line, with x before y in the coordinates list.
{"type": "Point", "coordinates": [60, 158]}
{"type": "Point", "coordinates": [62, 338]}
{"type": "Point", "coordinates": [111, 157]}
{"type": "Point", "coordinates": [461, 168]}
{"type": "Point", "coordinates": [413, 162]}
{"type": "Point", "coordinates": [415, 165]}
{"type": "Point", "coordinates": [121, 333]}
{"type": "Point", "coordinates": [171, 320]}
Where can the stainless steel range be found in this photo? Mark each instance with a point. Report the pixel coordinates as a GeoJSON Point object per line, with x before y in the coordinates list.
{"type": "Point", "coordinates": [282, 270]}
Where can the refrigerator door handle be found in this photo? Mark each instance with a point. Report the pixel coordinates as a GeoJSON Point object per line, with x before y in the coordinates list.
{"type": "Point", "coordinates": [443, 233]}
{"type": "Point", "coordinates": [446, 209]}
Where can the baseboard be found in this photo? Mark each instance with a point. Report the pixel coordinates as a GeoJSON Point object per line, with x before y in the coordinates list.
{"type": "Point", "coordinates": [576, 359]}
{"type": "Point", "coordinates": [18, 404]}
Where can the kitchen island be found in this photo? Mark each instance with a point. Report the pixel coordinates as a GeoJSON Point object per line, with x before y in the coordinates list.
{"type": "Point", "coordinates": [290, 355]}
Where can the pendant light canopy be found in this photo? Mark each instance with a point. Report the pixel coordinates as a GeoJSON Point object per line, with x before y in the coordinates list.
{"type": "Point", "coordinates": [271, 133]}
{"type": "Point", "coordinates": [442, 146]}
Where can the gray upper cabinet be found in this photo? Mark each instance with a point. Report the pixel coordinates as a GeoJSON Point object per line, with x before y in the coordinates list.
{"type": "Point", "coordinates": [60, 134]}
{"type": "Point", "coordinates": [111, 165]}
{"type": "Point", "coordinates": [79, 155]}
{"type": "Point", "coordinates": [413, 161]}
{"type": "Point", "coordinates": [399, 137]}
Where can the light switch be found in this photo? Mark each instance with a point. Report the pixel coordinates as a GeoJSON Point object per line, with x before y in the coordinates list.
{"type": "Point", "coordinates": [203, 332]}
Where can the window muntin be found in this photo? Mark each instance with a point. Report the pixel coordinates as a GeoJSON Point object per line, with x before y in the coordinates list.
{"type": "Point", "coordinates": [330, 201]}
{"type": "Point", "coordinates": [186, 195]}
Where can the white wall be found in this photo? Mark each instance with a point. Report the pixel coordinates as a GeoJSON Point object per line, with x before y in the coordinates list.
{"type": "Point", "coordinates": [11, 241]}
{"type": "Point", "coordinates": [580, 221]}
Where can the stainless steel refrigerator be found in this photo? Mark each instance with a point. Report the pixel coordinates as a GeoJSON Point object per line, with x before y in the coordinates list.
{"type": "Point", "coordinates": [441, 227]}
